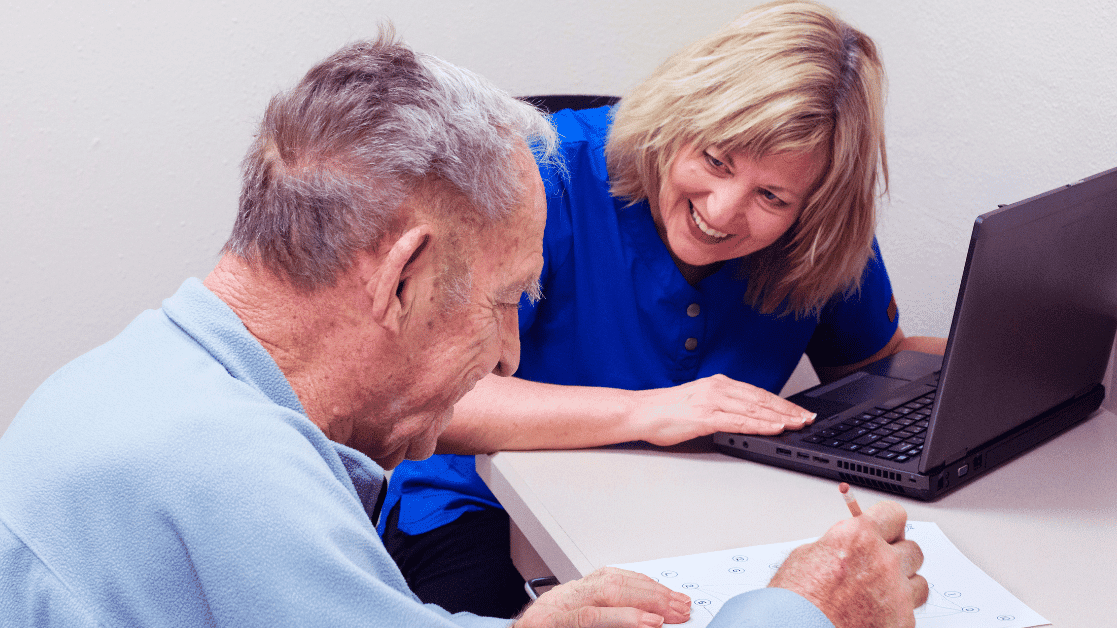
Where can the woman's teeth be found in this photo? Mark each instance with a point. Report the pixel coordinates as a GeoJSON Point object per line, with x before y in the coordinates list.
{"type": "Point", "coordinates": [706, 229]}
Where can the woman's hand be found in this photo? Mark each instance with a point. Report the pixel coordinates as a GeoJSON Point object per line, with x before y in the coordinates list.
{"type": "Point", "coordinates": [666, 416]}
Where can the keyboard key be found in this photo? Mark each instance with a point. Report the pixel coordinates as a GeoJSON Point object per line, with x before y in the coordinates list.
{"type": "Point", "coordinates": [851, 435]}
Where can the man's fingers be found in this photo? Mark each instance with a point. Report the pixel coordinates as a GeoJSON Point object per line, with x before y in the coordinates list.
{"type": "Point", "coordinates": [911, 556]}
{"type": "Point", "coordinates": [920, 590]}
{"type": "Point", "coordinates": [620, 588]}
{"type": "Point", "coordinates": [890, 519]}
{"type": "Point", "coordinates": [606, 617]}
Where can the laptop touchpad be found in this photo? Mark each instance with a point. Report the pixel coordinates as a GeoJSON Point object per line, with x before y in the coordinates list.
{"type": "Point", "coordinates": [852, 392]}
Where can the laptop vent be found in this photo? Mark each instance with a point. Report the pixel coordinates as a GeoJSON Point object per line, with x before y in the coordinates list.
{"type": "Point", "coordinates": [872, 483]}
{"type": "Point", "coordinates": [880, 473]}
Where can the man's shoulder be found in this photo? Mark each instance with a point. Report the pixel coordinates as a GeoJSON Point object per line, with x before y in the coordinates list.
{"type": "Point", "coordinates": [150, 412]}
{"type": "Point", "coordinates": [126, 457]}
{"type": "Point", "coordinates": [31, 590]}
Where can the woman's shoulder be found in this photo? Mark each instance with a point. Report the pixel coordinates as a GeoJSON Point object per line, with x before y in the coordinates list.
{"type": "Point", "coordinates": [582, 136]}
{"type": "Point", "coordinates": [583, 126]}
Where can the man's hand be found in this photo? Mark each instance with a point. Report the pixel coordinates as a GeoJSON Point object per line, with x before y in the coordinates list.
{"type": "Point", "coordinates": [668, 416]}
{"type": "Point", "coordinates": [607, 598]}
{"type": "Point", "coordinates": [861, 572]}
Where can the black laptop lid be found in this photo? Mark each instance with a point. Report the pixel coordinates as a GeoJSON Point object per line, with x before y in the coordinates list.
{"type": "Point", "coordinates": [1035, 316]}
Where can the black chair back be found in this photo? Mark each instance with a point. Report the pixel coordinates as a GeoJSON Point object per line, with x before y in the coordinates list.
{"type": "Point", "coordinates": [552, 103]}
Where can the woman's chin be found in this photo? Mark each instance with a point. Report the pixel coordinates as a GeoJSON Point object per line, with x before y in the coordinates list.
{"type": "Point", "coordinates": [700, 255]}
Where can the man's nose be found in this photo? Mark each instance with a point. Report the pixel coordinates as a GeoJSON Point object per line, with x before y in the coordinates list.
{"type": "Point", "coordinates": [509, 346]}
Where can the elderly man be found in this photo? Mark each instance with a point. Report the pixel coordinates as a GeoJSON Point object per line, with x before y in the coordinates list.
{"type": "Point", "coordinates": [220, 461]}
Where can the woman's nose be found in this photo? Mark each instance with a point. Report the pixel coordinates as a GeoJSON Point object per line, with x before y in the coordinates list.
{"type": "Point", "coordinates": [725, 203]}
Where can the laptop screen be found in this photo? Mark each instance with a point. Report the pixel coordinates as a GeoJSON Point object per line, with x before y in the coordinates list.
{"type": "Point", "coordinates": [1035, 316]}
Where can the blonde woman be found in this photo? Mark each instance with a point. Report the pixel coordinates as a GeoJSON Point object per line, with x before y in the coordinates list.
{"type": "Point", "coordinates": [706, 232]}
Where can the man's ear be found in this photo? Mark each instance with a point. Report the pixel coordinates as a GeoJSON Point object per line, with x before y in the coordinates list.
{"type": "Point", "coordinates": [392, 287]}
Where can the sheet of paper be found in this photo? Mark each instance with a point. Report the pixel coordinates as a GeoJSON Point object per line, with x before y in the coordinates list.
{"type": "Point", "coordinates": [961, 594]}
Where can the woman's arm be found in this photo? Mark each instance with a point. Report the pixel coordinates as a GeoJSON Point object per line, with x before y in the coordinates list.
{"type": "Point", "coordinates": [507, 413]}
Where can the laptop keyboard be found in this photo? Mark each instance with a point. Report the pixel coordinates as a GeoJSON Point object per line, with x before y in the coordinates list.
{"type": "Point", "coordinates": [894, 433]}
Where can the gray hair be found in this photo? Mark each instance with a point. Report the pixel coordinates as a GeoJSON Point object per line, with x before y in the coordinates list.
{"type": "Point", "coordinates": [338, 154]}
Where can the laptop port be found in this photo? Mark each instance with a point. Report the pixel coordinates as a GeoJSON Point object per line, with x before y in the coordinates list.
{"type": "Point", "coordinates": [784, 452]}
{"type": "Point", "coordinates": [803, 455]}
{"type": "Point", "coordinates": [822, 460]}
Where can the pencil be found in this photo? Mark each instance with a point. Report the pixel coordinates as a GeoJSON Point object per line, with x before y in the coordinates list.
{"type": "Point", "coordinates": [851, 502]}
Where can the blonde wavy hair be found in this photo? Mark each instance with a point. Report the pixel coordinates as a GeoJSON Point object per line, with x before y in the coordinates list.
{"type": "Point", "coordinates": [783, 77]}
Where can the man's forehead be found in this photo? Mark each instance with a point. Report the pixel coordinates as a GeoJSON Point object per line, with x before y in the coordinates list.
{"type": "Point", "coordinates": [514, 253]}
{"type": "Point", "coordinates": [516, 250]}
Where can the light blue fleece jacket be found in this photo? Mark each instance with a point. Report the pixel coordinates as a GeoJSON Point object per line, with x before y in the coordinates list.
{"type": "Point", "coordinates": [171, 478]}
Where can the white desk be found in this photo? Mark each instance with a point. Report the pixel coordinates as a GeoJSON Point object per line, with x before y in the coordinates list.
{"type": "Point", "coordinates": [1044, 525]}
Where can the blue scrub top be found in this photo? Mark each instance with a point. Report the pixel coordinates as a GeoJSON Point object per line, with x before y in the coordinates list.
{"type": "Point", "coordinates": [616, 312]}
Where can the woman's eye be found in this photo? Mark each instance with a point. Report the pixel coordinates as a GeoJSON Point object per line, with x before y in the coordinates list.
{"type": "Point", "coordinates": [772, 198]}
{"type": "Point", "coordinates": [714, 161]}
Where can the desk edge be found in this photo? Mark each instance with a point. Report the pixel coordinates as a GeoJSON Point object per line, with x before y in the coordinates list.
{"type": "Point", "coordinates": [546, 536]}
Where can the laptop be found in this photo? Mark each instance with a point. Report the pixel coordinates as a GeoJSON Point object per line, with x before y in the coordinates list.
{"type": "Point", "coordinates": [1028, 348]}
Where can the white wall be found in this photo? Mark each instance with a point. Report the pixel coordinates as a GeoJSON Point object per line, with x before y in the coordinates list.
{"type": "Point", "coordinates": [122, 124]}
